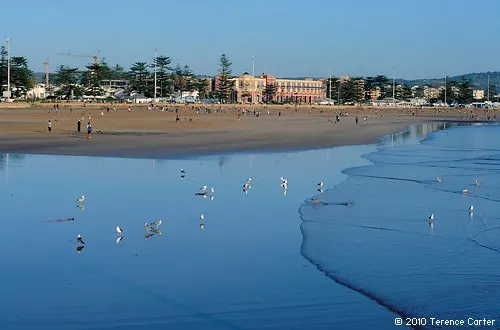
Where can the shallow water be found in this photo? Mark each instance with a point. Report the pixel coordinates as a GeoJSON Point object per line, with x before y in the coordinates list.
{"type": "Point", "coordinates": [247, 269]}
{"type": "Point", "coordinates": [383, 245]}
{"type": "Point", "coordinates": [243, 271]}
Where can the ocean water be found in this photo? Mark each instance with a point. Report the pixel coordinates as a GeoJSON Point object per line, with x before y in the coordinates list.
{"type": "Point", "coordinates": [244, 270]}
{"type": "Point", "coordinates": [257, 263]}
{"type": "Point", "coordinates": [382, 244]}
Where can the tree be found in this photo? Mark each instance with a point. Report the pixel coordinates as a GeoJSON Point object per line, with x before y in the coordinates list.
{"type": "Point", "coordinates": [117, 73]}
{"type": "Point", "coordinates": [93, 76]}
{"type": "Point", "coordinates": [381, 82]}
{"type": "Point", "coordinates": [21, 77]}
{"type": "Point", "coordinates": [202, 86]}
{"type": "Point", "coordinates": [352, 90]}
{"type": "Point", "coordinates": [451, 92]}
{"type": "Point", "coordinates": [182, 78]}
{"type": "Point", "coordinates": [335, 82]}
{"type": "Point", "coordinates": [406, 93]}
{"type": "Point", "coordinates": [139, 76]}
{"type": "Point", "coordinates": [465, 92]}
{"type": "Point", "coordinates": [67, 78]}
{"type": "Point", "coordinates": [162, 68]}
{"type": "Point", "coordinates": [270, 92]}
{"type": "Point", "coordinates": [3, 67]}
{"type": "Point", "coordinates": [224, 85]}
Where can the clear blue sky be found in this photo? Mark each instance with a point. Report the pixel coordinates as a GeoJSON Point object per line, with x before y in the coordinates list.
{"type": "Point", "coordinates": [417, 38]}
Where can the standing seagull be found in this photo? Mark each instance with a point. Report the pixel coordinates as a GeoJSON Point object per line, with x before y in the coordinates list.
{"type": "Point", "coordinates": [478, 183]}
{"type": "Point", "coordinates": [119, 230]}
{"type": "Point", "coordinates": [156, 223]}
{"type": "Point", "coordinates": [439, 180]}
{"type": "Point", "coordinates": [431, 218]}
{"type": "Point", "coordinates": [202, 226]}
{"type": "Point", "coordinates": [471, 209]}
{"type": "Point", "coordinates": [203, 188]}
{"type": "Point", "coordinates": [320, 184]}
{"type": "Point", "coordinates": [182, 171]}
{"type": "Point", "coordinates": [118, 239]}
{"type": "Point", "coordinates": [465, 191]}
{"type": "Point", "coordinates": [81, 199]}
{"type": "Point", "coordinates": [79, 239]}
{"type": "Point", "coordinates": [202, 217]}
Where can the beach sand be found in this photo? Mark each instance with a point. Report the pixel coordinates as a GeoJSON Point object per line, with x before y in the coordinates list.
{"type": "Point", "coordinates": [156, 134]}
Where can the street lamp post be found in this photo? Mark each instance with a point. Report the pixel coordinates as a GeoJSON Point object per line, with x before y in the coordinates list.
{"type": "Point", "coordinates": [8, 69]}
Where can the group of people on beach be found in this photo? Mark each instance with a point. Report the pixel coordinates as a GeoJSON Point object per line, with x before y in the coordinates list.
{"type": "Point", "coordinates": [78, 127]}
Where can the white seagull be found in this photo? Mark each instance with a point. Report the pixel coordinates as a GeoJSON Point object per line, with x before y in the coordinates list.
{"type": "Point", "coordinates": [119, 230]}
{"type": "Point", "coordinates": [212, 190]}
{"type": "Point", "coordinates": [431, 218]}
{"type": "Point", "coordinates": [249, 179]}
{"type": "Point", "coordinates": [202, 226]}
{"type": "Point", "coordinates": [478, 183]}
{"type": "Point", "coordinates": [439, 180]}
{"type": "Point", "coordinates": [79, 239]}
{"type": "Point", "coordinates": [81, 199]}
{"type": "Point", "coordinates": [471, 209]}
{"type": "Point", "coordinates": [156, 223]}
{"type": "Point", "coordinates": [246, 185]}
{"type": "Point", "coordinates": [284, 180]}
{"type": "Point", "coordinates": [465, 191]}
{"type": "Point", "coordinates": [148, 228]}
{"type": "Point", "coordinates": [118, 239]}
{"type": "Point", "coordinates": [81, 207]}
{"type": "Point", "coordinates": [202, 217]}
{"type": "Point", "coordinates": [203, 188]}
{"type": "Point", "coordinates": [320, 184]}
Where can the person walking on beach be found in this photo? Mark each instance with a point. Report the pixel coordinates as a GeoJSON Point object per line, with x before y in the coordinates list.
{"type": "Point", "coordinates": [49, 126]}
{"type": "Point", "coordinates": [78, 126]}
{"type": "Point", "coordinates": [177, 119]}
{"type": "Point", "coordinates": [357, 119]}
{"type": "Point", "coordinates": [89, 130]}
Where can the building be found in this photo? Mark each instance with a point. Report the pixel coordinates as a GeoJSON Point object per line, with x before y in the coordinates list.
{"type": "Point", "coordinates": [373, 94]}
{"type": "Point", "coordinates": [431, 92]}
{"type": "Point", "coordinates": [478, 94]}
{"type": "Point", "coordinates": [251, 89]}
{"type": "Point", "coordinates": [112, 87]}
{"type": "Point", "coordinates": [38, 92]}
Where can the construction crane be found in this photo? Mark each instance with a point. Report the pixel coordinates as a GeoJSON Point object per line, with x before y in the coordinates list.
{"type": "Point", "coordinates": [95, 57]}
{"type": "Point", "coordinates": [46, 63]}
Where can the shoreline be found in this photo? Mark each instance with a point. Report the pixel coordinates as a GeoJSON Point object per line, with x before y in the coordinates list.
{"type": "Point", "coordinates": [156, 135]}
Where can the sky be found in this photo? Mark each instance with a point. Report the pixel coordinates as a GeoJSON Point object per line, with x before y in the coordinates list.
{"type": "Point", "coordinates": [292, 38]}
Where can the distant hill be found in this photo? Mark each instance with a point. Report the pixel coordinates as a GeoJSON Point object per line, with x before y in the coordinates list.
{"type": "Point", "coordinates": [480, 80]}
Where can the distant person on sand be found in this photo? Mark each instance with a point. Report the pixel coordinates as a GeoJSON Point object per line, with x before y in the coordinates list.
{"type": "Point", "coordinates": [78, 126]}
{"type": "Point", "coordinates": [279, 114]}
{"type": "Point", "coordinates": [89, 130]}
{"type": "Point", "coordinates": [357, 119]}
{"type": "Point", "coordinates": [177, 119]}
{"type": "Point", "coordinates": [49, 126]}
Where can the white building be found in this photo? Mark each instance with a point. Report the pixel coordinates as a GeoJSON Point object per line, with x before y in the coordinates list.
{"type": "Point", "coordinates": [38, 91]}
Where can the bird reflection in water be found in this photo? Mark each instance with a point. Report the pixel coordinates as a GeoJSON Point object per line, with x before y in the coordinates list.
{"type": "Point", "coordinates": [119, 239]}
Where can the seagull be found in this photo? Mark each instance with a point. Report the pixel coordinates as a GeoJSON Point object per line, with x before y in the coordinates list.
{"type": "Point", "coordinates": [471, 209]}
{"type": "Point", "coordinates": [148, 235]}
{"type": "Point", "coordinates": [439, 180]}
{"type": "Point", "coordinates": [202, 226]}
{"type": "Point", "coordinates": [320, 190]}
{"type": "Point", "coordinates": [79, 239]}
{"type": "Point", "coordinates": [79, 248]}
{"type": "Point", "coordinates": [245, 191]}
{"type": "Point", "coordinates": [478, 183]}
{"type": "Point", "coordinates": [80, 199]}
{"type": "Point", "coordinates": [320, 184]}
{"type": "Point", "coordinates": [465, 191]}
{"type": "Point", "coordinates": [284, 180]}
{"type": "Point", "coordinates": [156, 223]}
{"type": "Point", "coordinates": [156, 231]}
{"type": "Point", "coordinates": [203, 188]}
{"type": "Point", "coordinates": [212, 190]}
{"type": "Point", "coordinates": [315, 200]}
{"type": "Point", "coordinates": [285, 192]}
{"type": "Point", "coordinates": [431, 218]}
{"type": "Point", "coordinates": [118, 239]}
{"type": "Point", "coordinates": [119, 230]}
{"type": "Point", "coordinates": [182, 171]}
{"type": "Point", "coordinates": [246, 186]}
{"type": "Point", "coordinates": [148, 228]}
{"type": "Point", "coordinates": [202, 217]}
{"type": "Point", "coordinates": [212, 198]}
{"type": "Point", "coordinates": [81, 207]}
{"type": "Point", "coordinates": [284, 185]}
{"type": "Point", "coordinates": [248, 180]}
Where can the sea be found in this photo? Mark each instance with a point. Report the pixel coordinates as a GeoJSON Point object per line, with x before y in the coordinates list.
{"type": "Point", "coordinates": [358, 252]}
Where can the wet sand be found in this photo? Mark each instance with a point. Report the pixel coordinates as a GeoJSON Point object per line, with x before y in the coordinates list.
{"type": "Point", "coordinates": [156, 134]}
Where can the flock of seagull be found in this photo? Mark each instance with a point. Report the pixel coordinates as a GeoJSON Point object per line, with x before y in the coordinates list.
{"type": "Point", "coordinates": [464, 191]}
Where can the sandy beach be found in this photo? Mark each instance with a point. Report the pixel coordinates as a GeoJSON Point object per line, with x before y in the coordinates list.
{"type": "Point", "coordinates": [156, 133]}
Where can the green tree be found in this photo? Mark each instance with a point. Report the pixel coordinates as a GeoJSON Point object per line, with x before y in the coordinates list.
{"type": "Point", "coordinates": [335, 84]}
{"type": "Point", "coordinates": [21, 77]}
{"type": "Point", "coordinates": [162, 69]}
{"type": "Point", "coordinates": [225, 85]}
{"type": "Point", "coordinates": [92, 78]}
{"type": "Point", "coordinates": [269, 92]}
{"type": "Point", "coordinates": [117, 73]}
{"type": "Point", "coordinates": [203, 87]}
{"type": "Point", "coordinates": [67, 78]}
{"type": "Point", "coordinates": [182, 78]}
{"type": "Point", "coordinates": [465, 91]}
{"type": "Point", "coordinates": [140, 79]}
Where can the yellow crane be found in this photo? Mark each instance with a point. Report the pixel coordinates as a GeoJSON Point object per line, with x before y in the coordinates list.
{"type": "Point", "coordinates": [95, 57]}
